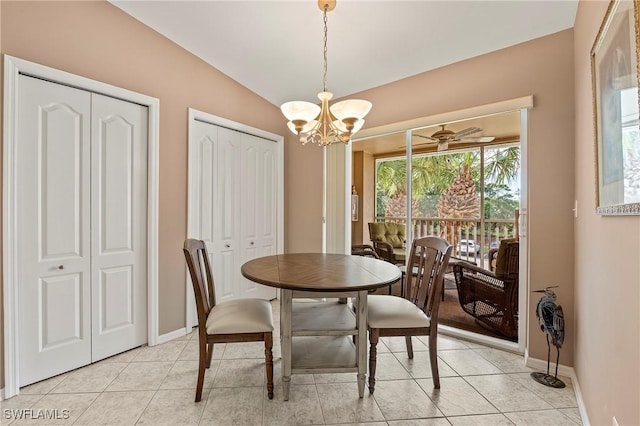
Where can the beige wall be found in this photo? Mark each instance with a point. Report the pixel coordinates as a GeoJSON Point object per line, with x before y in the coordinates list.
{"type": "Point", "coordinates": [542, 68]}
{"type": "Point", "coordinates": [303, 195]}
{"type": "Point", "coordinates": [607, 258]}
{"type": "Point", "coordinates": [98, 41]}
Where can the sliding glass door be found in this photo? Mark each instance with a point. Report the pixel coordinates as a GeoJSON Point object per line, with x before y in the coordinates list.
{"type": "Point", "coordinates": [465, 189]}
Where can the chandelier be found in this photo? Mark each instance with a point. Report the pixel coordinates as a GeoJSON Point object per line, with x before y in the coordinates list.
{"type": "Point", "coordinates": [325, 125]}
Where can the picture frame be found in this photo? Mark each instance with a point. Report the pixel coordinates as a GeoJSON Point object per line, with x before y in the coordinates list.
{"type": "Point", "coordinates": [614, 73]}
{"type": "Point", "coordinates": [354, 208]}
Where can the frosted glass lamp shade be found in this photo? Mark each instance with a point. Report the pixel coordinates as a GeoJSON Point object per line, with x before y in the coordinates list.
{"type": "Point", "coordinates": [357, 126]}
{"type": "Point", "coordinates": [300, 110]}
{"type": "Point", "coordinates": [351, 108]}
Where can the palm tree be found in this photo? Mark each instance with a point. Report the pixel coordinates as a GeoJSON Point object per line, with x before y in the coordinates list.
{"type": "Point", "coordinates": [459, 202]}
{"type": "Point", "coordinates": [448, 177]}
{"type": "Point", "coordinates": [502, 165]}
{"type": "Point", "coordinates": [392, 183]}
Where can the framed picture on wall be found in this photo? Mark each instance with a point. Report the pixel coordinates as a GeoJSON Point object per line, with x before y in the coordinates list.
{"type": "Point", "coordinates": [354, 208]}
{"type": "Point", "coordinates": [614, 72]}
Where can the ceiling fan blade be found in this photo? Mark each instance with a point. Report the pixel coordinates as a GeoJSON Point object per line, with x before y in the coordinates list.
{"type": "Point", "coordinates": [426, 137]}
{"type": "Point", "coordinates": [465, 132]}
{"type": "Point", "coordinates": [480, 139]}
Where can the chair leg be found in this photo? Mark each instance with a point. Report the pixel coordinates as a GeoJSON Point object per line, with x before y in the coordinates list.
{"type": "Point", "coordinates": [209, 354]}
{"type": "Point", "coordinates": [407, 339]}
{"type": "Point", "coordinates": [202, 365]}
{"type": "Point", "coordinates": [433, 359]}
{"type": "Point", "coordinates": [268, 356]}
{"type": "Point", "coordinates": [374, 334]}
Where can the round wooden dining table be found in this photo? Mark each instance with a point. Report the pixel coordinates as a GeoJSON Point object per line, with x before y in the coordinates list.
{"type": "Point", "coordinates": [322, 276]}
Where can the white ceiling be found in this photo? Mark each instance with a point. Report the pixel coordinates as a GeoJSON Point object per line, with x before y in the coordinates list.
{"type": "Point", "coordinates": [274, 48]}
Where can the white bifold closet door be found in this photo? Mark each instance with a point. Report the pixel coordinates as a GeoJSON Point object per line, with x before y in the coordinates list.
{"type": "Point", "coordinates": [82, 227]}
{"type": "Point", "coordinates": [234, 204]}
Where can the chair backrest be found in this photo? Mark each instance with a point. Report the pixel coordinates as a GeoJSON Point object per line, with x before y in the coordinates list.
{"type": "Point", "coordinates": [392, 233]}
{"type": "Point", "coordinates": [507, 259]}
{"type": "Point", "coordinates": [195, 253]}
{"type": "Point", "coordinates": [430, 257]}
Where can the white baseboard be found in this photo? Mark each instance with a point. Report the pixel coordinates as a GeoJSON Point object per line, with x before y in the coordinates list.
{"type": "Point", "coordinates": [164, 338]}
{"type": "Point", "coordinates": [2, 394]}
{"type": "Point", "coordinates": [563, 370]}
{"type": "Point", "coordinates": [541, 364]}
{"type": "Point", "coordinates": [493, 342]}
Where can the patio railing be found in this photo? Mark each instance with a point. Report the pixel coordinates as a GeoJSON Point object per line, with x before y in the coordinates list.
{"type": "Point", "coordinates": [485, 233]}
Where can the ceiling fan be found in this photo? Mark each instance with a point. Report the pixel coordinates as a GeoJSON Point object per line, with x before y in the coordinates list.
{"type": "Point", "coordinates": [443, 136]}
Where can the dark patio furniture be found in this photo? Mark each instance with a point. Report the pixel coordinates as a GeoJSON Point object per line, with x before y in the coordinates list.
{"type": "Point", "coordinates": [492, 297]}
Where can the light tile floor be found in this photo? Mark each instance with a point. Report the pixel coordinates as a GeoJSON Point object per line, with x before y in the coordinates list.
{"type": "Point", "coordinates": [156, 386]}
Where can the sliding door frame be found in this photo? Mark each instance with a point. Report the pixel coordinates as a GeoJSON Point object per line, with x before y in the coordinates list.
{"type": "Point", "coordinates": [522, 105]}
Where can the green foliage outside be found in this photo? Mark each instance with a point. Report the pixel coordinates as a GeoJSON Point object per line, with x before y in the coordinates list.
{"type": "Point", "coordinates": [433, 173]}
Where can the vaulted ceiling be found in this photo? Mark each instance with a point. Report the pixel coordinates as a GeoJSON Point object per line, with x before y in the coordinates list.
{"type": "Point", "coordinates": [274, 48]}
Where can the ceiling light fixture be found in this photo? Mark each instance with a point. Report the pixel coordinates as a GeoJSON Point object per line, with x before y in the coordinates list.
{"type": "Point", "coordinates": [325, 125]}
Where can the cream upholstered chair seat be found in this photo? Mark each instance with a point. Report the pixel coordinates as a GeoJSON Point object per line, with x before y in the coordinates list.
{"type": "Point", "coordinates": [240, 316]}
{"type": "Point", "coordinates": [394, 312]}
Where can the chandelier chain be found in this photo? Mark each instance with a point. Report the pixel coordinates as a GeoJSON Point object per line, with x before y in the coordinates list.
{"type": "Point", "coordinates": [324, 78]}
{"type": "Point", "coordinates": [321, 124]}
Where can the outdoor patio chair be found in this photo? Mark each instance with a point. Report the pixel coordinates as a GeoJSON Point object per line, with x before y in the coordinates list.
{"type": "Point", "coordinates": [492, 297]}
{"type": "Point", "coordinates": [389, 240]}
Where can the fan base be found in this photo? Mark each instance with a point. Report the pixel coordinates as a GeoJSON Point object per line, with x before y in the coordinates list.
{"type": "Point", "coordinates": [548, 380]}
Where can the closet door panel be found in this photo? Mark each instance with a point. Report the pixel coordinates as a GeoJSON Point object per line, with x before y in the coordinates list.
{"type": "Point", "coordinates": [259, 194]}
{"type": "Point", "coordinates": [119, 234]}
{"type": "Point", "coordinates": [257, 182]}
{"type": "Point", "coordinates": [53, 224]}
{"type": "Point", "coordinates": [268, 197]}
{"type": "Point", "coordinates": [225, 175]}
{"type": "Point", "coordinates": [248, 177]}
{"type": "Point", "coordinates": [226, 216]}
{"type": "Point", "coordinates": [203, 180]}
{"type": "Point", "coordinates": [207, 190]}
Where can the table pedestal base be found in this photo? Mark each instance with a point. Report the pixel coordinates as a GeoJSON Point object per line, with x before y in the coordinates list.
{"type": "Point", "coordinates": [324, 333]}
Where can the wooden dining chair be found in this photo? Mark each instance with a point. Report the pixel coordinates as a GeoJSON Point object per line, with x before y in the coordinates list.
{"type": "Point", "coordinates": [240, 320]}
{"type": "Point", "coordinates": [415, 313]}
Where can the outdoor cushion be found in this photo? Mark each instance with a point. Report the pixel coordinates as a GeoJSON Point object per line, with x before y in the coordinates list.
{"type": "Point", "coordinates": [392, 233]}
{"type": "Point", "coordinates": [501, 259]}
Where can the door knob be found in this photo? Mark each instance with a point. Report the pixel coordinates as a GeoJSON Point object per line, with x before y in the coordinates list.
{"type": "Point", "coordinates": [252, 242]}
{"type": "Point", "coordinates": [227, 245]}
{"type": "Point", "coordinates": [61, 267]}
